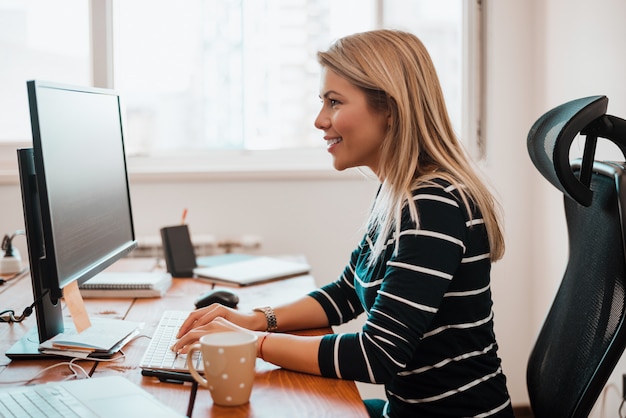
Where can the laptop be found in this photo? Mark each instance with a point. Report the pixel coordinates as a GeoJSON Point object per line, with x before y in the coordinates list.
{"type": "Point", "coordinates": [105, 397]}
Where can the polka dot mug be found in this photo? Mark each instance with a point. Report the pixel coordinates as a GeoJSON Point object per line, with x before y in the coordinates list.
{"type": "Point", "coordinates": [227, 362]}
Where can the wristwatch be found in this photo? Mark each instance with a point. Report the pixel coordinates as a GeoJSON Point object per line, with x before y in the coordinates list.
{"type": "Point", "coordinates": [270, 316]}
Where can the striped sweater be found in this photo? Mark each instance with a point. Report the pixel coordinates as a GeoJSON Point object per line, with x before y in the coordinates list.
{"type": "Point", "coordinates": [428, 336]}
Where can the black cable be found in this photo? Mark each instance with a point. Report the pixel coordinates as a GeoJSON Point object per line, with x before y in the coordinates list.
{"type": "Point", "coordinates": [9, 251]}
{"type": "Point", "coordinates": [7, 242]}
{"type": "Point", "coordinates": [6, 279]}
{"type": "Point", "coordinates": [11, 318]}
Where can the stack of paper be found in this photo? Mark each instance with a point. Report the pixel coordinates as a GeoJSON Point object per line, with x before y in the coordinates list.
{"type": "Point", "coordinates": [103, 338]}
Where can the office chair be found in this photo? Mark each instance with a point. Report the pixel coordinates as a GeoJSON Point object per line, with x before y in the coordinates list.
{"type": "Point", "coordinates": [583, 335]}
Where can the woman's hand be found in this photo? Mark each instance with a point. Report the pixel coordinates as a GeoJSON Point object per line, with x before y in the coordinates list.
{"type": "Point", "coordinates": [206, 315]}
{"type": "Point", "coordinates": [292, 352]}
{"type": "Point", "coordinates": [214, 318]}
{"type": "Point", "coordinates": [219, 324]}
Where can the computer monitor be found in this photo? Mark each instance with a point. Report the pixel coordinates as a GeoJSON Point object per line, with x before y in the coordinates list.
{"type": "Point", "coordinates": [75, 195]}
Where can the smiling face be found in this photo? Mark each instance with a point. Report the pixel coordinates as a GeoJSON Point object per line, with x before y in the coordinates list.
{"type": "Point", "coordinates": [353, 131]}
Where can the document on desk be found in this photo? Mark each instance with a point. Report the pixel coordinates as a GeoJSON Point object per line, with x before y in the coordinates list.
{"type": "Point", "coordinates": [103, 336]}
{"type": "Point", "coordinates": [246, 269]}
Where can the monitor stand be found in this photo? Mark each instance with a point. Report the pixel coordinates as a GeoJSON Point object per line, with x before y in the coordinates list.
{"type": "Point", "coordinates": [27, 347]}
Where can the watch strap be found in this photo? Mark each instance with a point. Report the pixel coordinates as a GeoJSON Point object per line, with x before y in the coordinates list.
{"type": "Point", "coordinates": [270, 316]}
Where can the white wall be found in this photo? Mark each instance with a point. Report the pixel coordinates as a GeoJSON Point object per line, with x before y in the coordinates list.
{"type": "Point", "coordinates": [317, 218]}
{"type": "Point", "coordinates": [540, 53]}
{"type": "Point", "coordinates": [508, 118]}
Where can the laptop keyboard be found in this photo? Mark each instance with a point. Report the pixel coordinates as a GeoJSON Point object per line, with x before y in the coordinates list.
{"type": "Point", "coordinates": [158, 355]}
{"type": "Point", "coordinates": [41, 401]}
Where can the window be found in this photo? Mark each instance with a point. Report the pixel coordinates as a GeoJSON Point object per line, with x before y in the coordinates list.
{"type": "Point", "coordinates": [39, 39]}
{"type": "Point", "coordinates": [221, 78]}
{"type": "Point", "coordinates": [243, 74]}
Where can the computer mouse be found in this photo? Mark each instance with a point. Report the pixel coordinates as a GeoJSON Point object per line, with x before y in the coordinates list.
{"type": "Point", "coordinates": [224, 297]}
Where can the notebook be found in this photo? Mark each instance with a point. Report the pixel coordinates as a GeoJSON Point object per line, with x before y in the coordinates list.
{"type": "Point", "coordinates": [246, 269]}
{"type": "Point", "coordinates": [127, 285]}
{"type": "Point", "coordinates": [105, 397]}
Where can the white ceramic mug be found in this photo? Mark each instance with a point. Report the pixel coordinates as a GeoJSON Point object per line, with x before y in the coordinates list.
{"type": "Point", "coordinates": [228, 359]}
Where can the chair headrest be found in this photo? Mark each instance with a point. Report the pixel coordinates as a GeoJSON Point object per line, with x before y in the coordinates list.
{"type": "Point", "coordinates": [551, 137]}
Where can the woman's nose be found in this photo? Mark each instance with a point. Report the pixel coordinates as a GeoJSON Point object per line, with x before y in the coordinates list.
{"type": "Point", "coordinates": [322, 121]}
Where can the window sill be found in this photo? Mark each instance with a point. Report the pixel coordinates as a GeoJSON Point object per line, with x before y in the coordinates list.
{"type": "Point", "coordinates": [247, 165]}
{"type": "Point", "coordinates": [222, 165]}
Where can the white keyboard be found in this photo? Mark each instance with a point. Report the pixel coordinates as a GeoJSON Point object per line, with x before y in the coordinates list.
{"type": "Point", "coordinates": [158, 355]}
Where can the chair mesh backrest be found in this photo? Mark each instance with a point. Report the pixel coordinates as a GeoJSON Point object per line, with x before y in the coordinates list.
{"type": "Point", "coordinates": [567, 367]}
{"type": "Point", "coordinates": [583, 335]}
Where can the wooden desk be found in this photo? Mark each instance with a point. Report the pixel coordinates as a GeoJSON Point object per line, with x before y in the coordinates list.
{"type": "Point", "coordinates": [276, 393]}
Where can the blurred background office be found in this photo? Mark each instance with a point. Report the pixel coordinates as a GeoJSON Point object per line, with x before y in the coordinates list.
{"type": "Point", "coordinates": [221, 97]}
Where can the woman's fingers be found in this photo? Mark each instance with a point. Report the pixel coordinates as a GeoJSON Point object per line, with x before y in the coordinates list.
{"type": "Point", "coordinates": [187, 340]}
{"type": "Point", "coordinates": [201, 317]}
{"type": "Point", "coordinates": [218, 324]}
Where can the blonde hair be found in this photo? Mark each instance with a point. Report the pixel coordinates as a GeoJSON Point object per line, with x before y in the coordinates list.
{"type": "Point", "coordinates": [394, 70]}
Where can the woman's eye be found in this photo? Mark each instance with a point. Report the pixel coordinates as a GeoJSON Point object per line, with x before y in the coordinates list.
{"type": "Point", "coordinates": [333, 102]}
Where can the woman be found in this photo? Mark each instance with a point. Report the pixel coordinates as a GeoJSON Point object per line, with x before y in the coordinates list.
{"type": "Point", "coordinates": [422, 270]}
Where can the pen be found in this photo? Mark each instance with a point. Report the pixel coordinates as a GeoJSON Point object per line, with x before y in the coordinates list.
{"type": "Point", "coordinates": [182, 221]}
{"type": "Point", "coordinates": [168, 376]}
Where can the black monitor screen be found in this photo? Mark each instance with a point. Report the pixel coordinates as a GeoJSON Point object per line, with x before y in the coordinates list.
{"type": "Point", "coordinates": [79, 152]}
{"type": "Point", "coordinates": [75, 193]}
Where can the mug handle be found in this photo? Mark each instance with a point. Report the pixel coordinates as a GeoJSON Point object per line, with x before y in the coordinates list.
{"type": "Point", "coordinates": [201, 380]}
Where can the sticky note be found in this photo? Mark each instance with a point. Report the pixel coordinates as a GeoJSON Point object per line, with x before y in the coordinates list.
{"type": "Point", "coordinates": [76, 305]}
